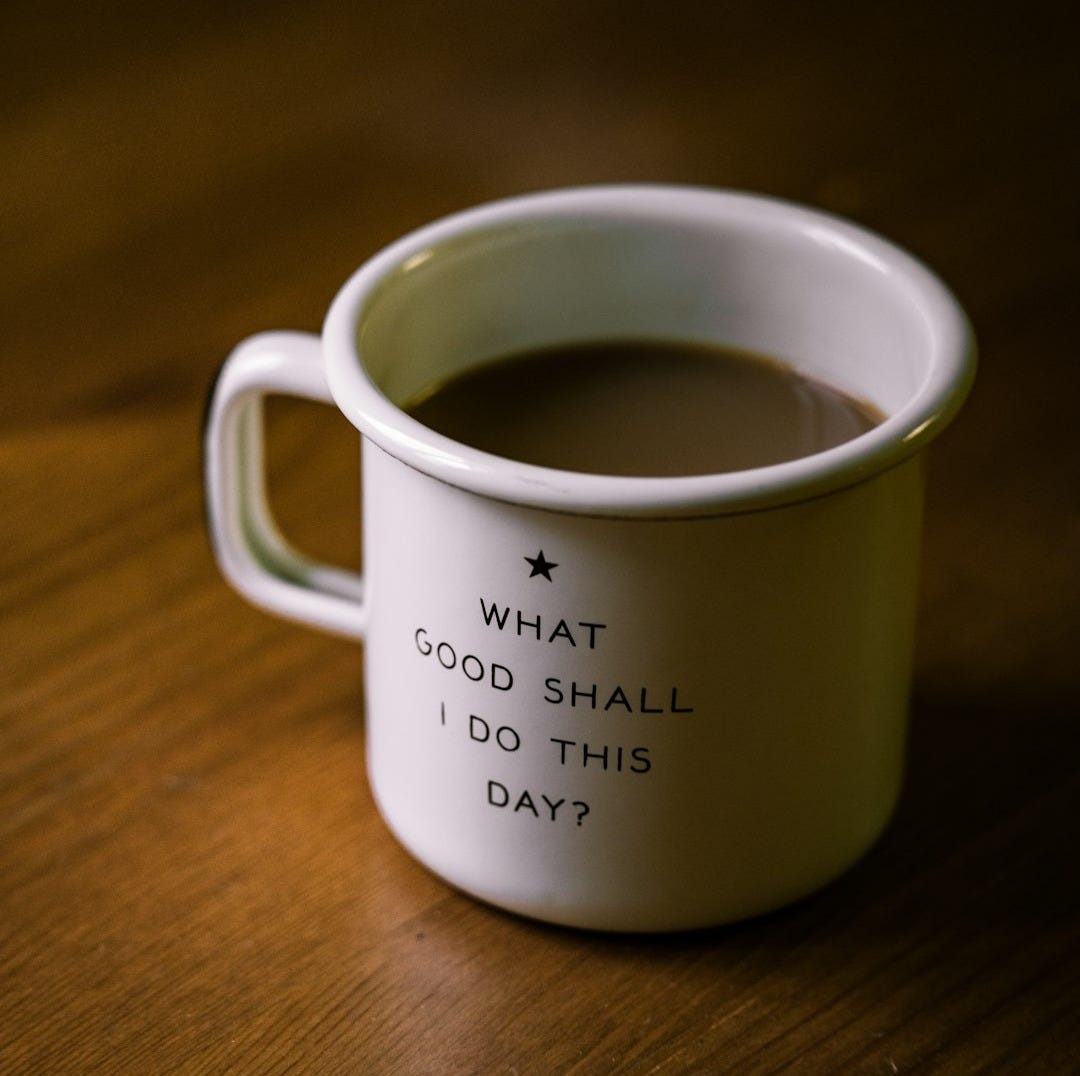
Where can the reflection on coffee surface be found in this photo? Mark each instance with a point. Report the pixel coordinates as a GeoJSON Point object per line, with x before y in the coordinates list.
{"type": "Point", "coordinates": [645, 408]}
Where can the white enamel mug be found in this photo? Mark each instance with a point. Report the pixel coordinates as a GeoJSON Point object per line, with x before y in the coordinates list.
{"type": "Point", "coordinates": [615, 702]}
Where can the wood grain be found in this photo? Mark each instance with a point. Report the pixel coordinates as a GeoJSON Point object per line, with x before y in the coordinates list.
{"type": "Point", "coordinates": [192, 874]}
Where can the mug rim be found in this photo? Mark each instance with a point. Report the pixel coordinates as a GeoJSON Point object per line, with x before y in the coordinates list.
{"type": "Point", "coordinates": [903, 433]}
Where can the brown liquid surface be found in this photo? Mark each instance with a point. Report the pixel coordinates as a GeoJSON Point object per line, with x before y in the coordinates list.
{"type": "Point", "coordinates": [643, 408]}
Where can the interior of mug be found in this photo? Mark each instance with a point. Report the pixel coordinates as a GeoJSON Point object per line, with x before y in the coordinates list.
{"type": "Point", "coordinates": [648, 263]}
{"type": "Point", "coordinates": [822, 304]}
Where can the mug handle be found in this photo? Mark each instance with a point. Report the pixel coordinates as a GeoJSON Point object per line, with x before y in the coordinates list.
{"type": "Point", "coordinates": [250, 550]}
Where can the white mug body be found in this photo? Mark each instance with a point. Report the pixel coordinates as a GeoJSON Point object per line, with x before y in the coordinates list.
{"type": "Point", "coordinates": [683, 722]}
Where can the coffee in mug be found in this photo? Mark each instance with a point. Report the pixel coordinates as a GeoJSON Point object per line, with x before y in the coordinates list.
{"type": "Point", "coordinates": [643, 407]}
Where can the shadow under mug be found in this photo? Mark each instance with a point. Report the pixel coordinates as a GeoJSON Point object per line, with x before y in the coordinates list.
{"type": "Point", "coordinates": [615, 702]}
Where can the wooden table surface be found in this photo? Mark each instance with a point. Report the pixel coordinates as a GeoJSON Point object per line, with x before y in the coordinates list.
{"type": "Point", "coordinates": [192, 874]}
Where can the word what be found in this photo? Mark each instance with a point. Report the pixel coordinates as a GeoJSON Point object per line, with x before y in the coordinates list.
{"type": "Point", "coordinates": [537, 627]}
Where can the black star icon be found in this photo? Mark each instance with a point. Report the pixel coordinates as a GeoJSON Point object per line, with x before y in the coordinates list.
{"type": "Point", "coordinates": [541, 566]}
